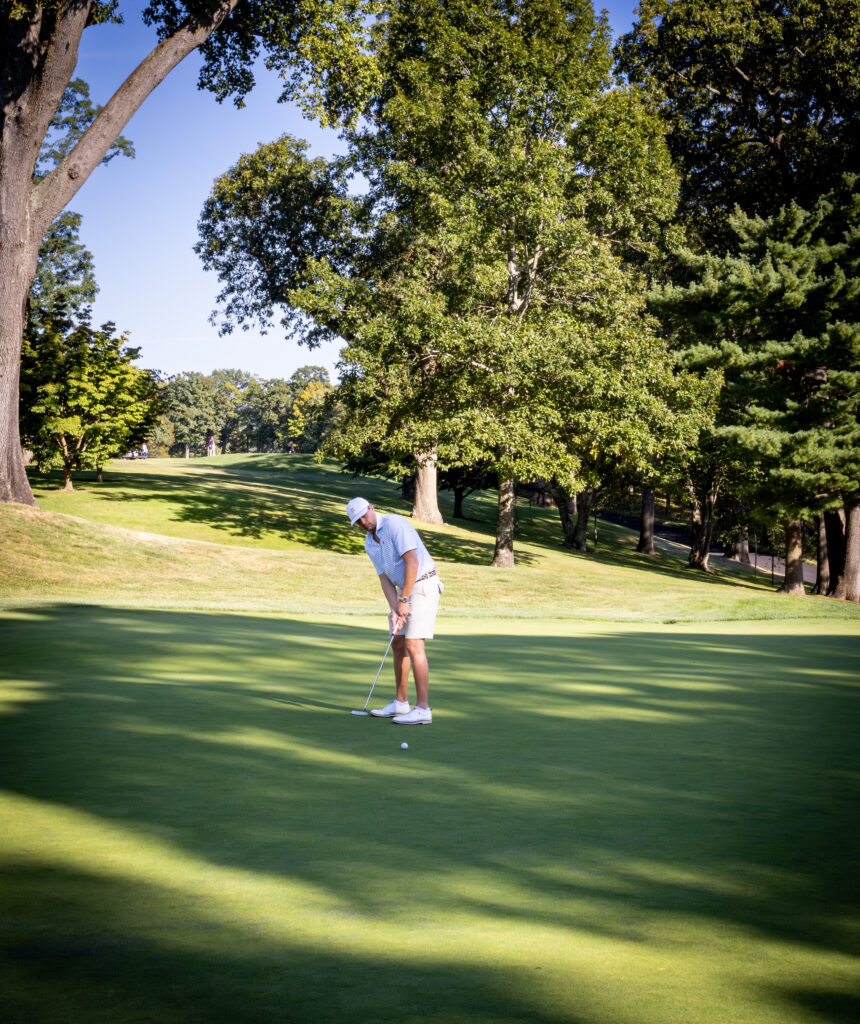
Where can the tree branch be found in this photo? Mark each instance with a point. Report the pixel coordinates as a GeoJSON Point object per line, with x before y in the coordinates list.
{"type": "Point", "coordinates": [50, 196]}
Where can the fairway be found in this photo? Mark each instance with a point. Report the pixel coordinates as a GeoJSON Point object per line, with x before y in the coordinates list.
{"type": "Point", "coordinates": [636, 804]}
{"type": "Point", "coordinates": [649, 824]}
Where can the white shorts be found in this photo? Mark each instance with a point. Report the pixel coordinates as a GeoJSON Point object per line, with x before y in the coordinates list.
{"type": "Point", "coordinates": [423, 605]}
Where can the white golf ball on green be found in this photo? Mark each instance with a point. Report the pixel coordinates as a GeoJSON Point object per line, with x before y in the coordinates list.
{"type": "Point", "coordinates": [404, 746]}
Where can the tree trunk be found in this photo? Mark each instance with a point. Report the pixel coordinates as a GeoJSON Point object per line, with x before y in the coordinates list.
{"type": "Point", "coordinates": [792, 583]}
{"type": "Point", "coordinates": [834, 528]}
{"type": "Point", "coordinates": [459, 495]}
{"type": "Point", "coordinates": [99, 477]}
{"type": "Point", "coordinates": [14, 289]}
{"type": "Point", "coordinates": [67, 479]}
{"type": "Point", "coordinates": [646, 528]}
{"type": "Point", "coordinates": [19, 254]}
{"type": "Point", "coordinates": [38, 54]}
{"type": "Point", "coordinates": [848, 587]}
{"type": "Point", "coordinates": [426, 506]}
{"type": "Point", "coordinates": [187, 451]}
{"type": "Point", "coordinates": [503, 556]}
{"type": "Point", "coordinates": [702, 529]}
{"type": "Point", "coordinates": [584, 505]}
{"type": "Point", "coordinates": [739, 549]}
{"type": "Point", "coordinates": [562, 501]}
{"type": "Point", "coordinates": [822, 562]}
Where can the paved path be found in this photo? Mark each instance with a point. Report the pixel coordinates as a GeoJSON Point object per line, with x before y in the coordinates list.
{"type": "Point", "coordinates": [673, 547]}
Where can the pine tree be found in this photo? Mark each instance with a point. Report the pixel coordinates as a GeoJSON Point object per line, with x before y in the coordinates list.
{"type": "Point", "coordinates": [780, 320]}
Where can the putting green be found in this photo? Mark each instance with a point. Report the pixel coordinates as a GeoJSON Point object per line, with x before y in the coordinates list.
{"type": "Point", "coordinates": [647, 824]}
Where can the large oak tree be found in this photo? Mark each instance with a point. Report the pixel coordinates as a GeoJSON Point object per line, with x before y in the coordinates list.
{"type": "Point", "coordinates": [316, 46]}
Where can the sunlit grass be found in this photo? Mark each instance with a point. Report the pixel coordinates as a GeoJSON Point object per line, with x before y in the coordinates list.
{"type": "Point", "coordinates": [636, 804]}
{"type": "Point", "coordinates": [650, 824]}
{"type": "Point", "coordinates": [146, 536]}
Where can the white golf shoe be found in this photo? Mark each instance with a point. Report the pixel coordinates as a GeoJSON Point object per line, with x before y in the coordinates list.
{"type": "Point", "coordinates": [417, 716]}
{"type": "Point", "coordinates": [396, 707]}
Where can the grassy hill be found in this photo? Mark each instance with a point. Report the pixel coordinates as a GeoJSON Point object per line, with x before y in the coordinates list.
{"type": "Point", "coordinates": [628, 810]}
{"type": "Point", "coordinates": [145, 537]}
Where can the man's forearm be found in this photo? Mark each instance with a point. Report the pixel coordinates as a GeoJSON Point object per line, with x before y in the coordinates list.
{"type": "Point", "coordinates": [390, 592]}
{"type": "Point", "coordinates": [410, 572]}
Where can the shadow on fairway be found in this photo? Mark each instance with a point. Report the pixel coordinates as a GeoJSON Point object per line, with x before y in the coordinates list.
{"type": "Point", "coordinates": [223, 841]}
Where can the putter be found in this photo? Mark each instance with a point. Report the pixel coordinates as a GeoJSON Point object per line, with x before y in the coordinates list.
{"type": "Point", "coordinates": [364, 710]}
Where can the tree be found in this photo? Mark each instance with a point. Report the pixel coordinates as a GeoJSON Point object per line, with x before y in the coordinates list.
{"type": "Point", "coordinates": [497, 192]}
{"type": "Point", "coordinates": [307, 423]}
{"type": "Point", "coordinates": [780, 320]}
{"type": "Point", "coordinates": [761, 101]}
{"type": "Point", "coordinates": [86, 402]}
{"type": "Point", "coordinates": [230, 390]}
{"type": "Point", "coordinates": [189, 400]}
{"type": "Point", "coordinates": [314, 45]}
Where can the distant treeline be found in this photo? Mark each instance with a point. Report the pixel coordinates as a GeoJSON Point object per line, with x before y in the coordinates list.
{"type": "Point", "coordinates": [242, 413]}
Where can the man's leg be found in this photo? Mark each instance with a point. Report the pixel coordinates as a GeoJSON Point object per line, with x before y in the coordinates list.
{"type": "Point", "coordinates": [401, 668]}
{"type": "Point", "coordinates": [420, 670]}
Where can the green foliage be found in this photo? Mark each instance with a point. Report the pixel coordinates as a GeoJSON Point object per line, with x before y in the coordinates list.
{"type": "Point", "coordinates": [71, 119]}
{"type": "Point", "coordinates": [761, 100]}
{"type": "Point", "coordinates": [316, 47]}
{"type": "Point", "coordinates": [481, 283]}
{"type": "Point", "coordinates": [264, 223]}
{"type": "Point", "coordinates": [245, 413]}
{"type": "Point", "coordinates": [83, 402]}
{"type": "Point", "coordinates": [779, 320]}
{"type": "Point", "coordinates": [65, 276]}
{"type": "Point", "coordinates": [189, 402]}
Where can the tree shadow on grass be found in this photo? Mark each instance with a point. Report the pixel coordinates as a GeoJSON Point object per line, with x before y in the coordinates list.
{"type": "Point", "coordinates": [604, 786]}
{"type": "Point", "coordinates": [107, 949]}
{"type": "Point", "coordinates": [250, 506]}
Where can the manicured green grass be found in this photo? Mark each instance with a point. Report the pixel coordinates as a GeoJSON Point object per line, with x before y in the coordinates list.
{"type": "Point", "coordinates": [645, 825]}
{"type": "Point", "coordinates": [636, 803]}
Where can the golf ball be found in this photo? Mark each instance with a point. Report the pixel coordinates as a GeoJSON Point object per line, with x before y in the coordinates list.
{"type": "Point", "coordinates": [404, 746]}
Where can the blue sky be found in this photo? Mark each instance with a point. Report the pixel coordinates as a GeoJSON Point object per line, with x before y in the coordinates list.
{"type": "Point", "coordinates": [140, 215]}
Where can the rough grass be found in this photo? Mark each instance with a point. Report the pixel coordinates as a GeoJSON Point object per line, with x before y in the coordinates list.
{"type": "Point", "coordinates": [284, 546]}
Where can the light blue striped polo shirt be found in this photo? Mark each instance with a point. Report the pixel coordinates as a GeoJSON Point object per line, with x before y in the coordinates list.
{"type": "Point", "coordinates": [396, 536]}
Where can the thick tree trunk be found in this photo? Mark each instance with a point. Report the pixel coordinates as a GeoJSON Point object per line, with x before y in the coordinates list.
{"type": "Point", "coordinates": [704, 506]}
{"type": "Point", "coordinates": [739, 549]}
{"type": "Point", "coordinates": [792, 583]}
{"type": "Point", "coordinates": [646, 528]}
{"type": "Point", "coordinates": [563, 503]}
{"type": "Point", "coordinates": [99, 476]}
{"type": "Point", "coordinates": [584, 505]}
{"type": "Point", "coordinates": [67, 479]}
{"type": "Point", "coordinates": [503, 556]}
{"type": "Point", "coordinates": [425, 508]}
{"type": "Point", "coordinates": [38, 54]}
{"type": "Point", "coordinates": [822, 561]}
{"type": "Point", "coordinates": [848, 587]}
{"type": "Point", "coordinates": [834, 528]}
{"type": "Point", "coordinates": [17, 268]}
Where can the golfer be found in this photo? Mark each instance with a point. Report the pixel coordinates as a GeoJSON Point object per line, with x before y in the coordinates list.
{"type": "Point", "coordinates": [412, 588]}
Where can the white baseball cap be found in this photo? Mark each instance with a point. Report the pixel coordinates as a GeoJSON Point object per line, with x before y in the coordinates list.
{"type": "Point", "coordinates": [356, 508]}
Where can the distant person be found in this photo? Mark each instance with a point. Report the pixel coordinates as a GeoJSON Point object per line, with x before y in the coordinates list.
{"type": "Point", "coordinates": [291, 448]}
{"type": "Point", "coordinates": [210, 446]}
{"type": "Point", "coordinates": [412, 588]}
{"type": "Point", "coordinates": [144, 450]}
